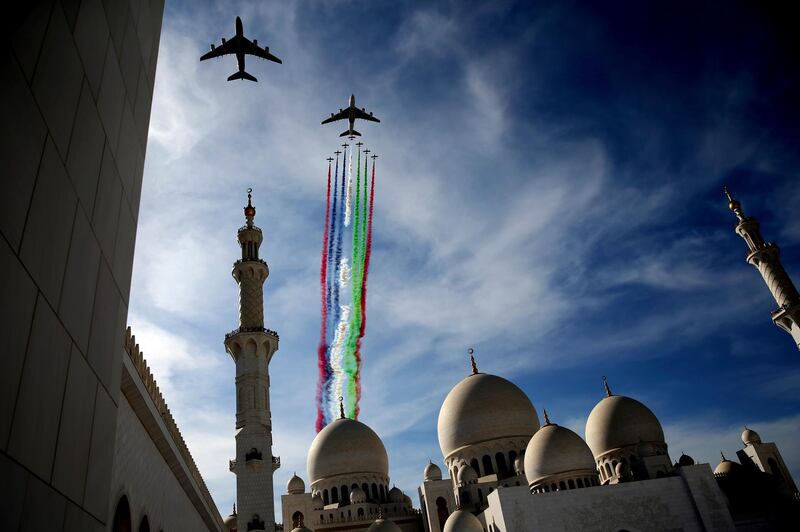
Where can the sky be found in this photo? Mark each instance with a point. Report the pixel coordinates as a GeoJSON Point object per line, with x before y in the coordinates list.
{"type": "Point", "coordinates": [549, 192]}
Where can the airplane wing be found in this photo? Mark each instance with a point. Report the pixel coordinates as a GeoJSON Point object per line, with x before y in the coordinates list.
{"type": "Point", "coordinates": [222, 49]}
{"type": "Point", "coordinates": [365, 116]}
{"type": "Point", "coordinates": [338, 116]}
{"type": "Point", "coordinates": [252, 49]}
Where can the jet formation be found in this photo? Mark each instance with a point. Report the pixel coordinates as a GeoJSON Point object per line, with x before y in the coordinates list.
{"type": "Point", "coordinates": [351, 113]}
{"type": "Point", "coordinates": [241, 46]}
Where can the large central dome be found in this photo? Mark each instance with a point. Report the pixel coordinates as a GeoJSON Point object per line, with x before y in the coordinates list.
{"type": "Point", "coordinates": [481, 408]}
{"type": "Point", "coordinates": [344, 447]}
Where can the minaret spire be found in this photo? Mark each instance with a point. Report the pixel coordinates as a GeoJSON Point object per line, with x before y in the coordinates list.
{"type": "Point", "coordinates": [765, 257]}
{"type": "Point", "coordinates": [251, 347]}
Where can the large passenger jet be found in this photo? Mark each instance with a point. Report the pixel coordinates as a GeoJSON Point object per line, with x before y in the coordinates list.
{"type": "Point", "coordinates": [352, 113]}
{"type": "Point", "coordinates": [241, 46]}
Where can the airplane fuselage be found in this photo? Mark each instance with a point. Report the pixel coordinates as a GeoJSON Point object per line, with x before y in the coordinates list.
{"type": "Point", "coordinates": [239, 51]}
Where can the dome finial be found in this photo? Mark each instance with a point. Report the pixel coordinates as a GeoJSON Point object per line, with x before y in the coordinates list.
{"type": "Point", "coordinates": [249, 210]}
{"type": "Point", "coordinates": [472, 361]}
{"type": "Point", "coordinates": [733, 205]}
{"type": "Point", "coordinates": [341, 407]}
{"type": "Point", "coordinates": [723, 457]}
{"type": "Point", "coordinates": [605, 385]}
{"type": "Point", "coordinates": [546, 418]}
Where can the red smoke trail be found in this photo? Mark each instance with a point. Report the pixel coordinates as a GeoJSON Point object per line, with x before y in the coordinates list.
{"type": "Point", "coordinates": [367, 255]}
{"type": "Point", "coordinates": [322, 349]}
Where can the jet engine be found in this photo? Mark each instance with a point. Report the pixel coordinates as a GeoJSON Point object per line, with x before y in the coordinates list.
{"type": "Point", "coordinates": [212, 47]}
{"type": "Point", "coordinates": [255, 42]}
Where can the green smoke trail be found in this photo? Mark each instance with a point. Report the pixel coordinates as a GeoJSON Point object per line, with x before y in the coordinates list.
{"type": "Point", "coordinates": [350, 363]}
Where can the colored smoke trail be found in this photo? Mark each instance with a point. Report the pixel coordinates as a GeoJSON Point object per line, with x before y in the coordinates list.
{"type": "Point", "coordinates": [350, 363]}
{"type": "Point", "coordinates": [342, 332]}
{"type": "Point", "coordinates": [349, 202]}
{"type": "Point", "coordinates": [322, 348]}
{"type": "Point", "coordinates": [332, 232]}
{"type": "Point", "coordinates": [365, 255]}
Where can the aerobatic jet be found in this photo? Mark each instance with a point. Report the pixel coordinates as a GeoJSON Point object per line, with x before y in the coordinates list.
{"type": "Point", "coordinates": [241, 46]}
{"type": "Point", "coordinates": [352, 113]}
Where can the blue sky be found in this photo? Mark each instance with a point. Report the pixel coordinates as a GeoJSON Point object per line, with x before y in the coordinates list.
{"type": "Point", "coordinates": [549, 192]}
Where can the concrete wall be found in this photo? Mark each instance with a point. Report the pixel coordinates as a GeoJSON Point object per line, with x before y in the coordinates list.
{"type": "Point", "coordinates": [141, 474]}
{"type": "Point", "coordinates": [693, 503]}
{"type": "Point", "coordinates": [75, 94]}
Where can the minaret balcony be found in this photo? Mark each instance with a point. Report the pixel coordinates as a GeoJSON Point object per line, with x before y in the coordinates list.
{"type": "Point", "coordinates": [266, 331]}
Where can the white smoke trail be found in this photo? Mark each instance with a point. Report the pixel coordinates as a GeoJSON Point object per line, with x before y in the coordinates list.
{"type": "Point", "coordinates": [349, 198]}
{"type": "Point", "coordinates": [337, 347]}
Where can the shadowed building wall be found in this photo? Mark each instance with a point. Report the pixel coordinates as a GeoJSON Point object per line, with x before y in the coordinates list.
{"type": "Point", "coordinates": [76, 91]}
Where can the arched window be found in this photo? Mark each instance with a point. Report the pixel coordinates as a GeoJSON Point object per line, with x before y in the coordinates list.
{"type": "Point", "coordinates": [122, 516]}
{"type": "Point", "coordinates": [360, 512]}
{"type": "Point", "coordinates": [466, 498]}
{"type": "Point", "coordinates": [547, 489]}
{"type": "Point", "coordinates": [562, 486]}
{"type": "Point", "coordinates": [502, 469]}
{"type": "Point", "coordinates": [480, 496]}
{"type": "Point", "coordinates": [365, 487]}
{"type": "Point", "coordinates": [442, 511]}
{"type": "Point", "coordinates": [321, 518]}
{"type": "Point", "coordinates": [382, 493]}
{"type": "Point", "coordinates": [512, 456]}
{"type": "Point", "coordinates": [345, 495]}
{"type": "Point", "coordinates": [571, 484]}
{"type": "Point", "coordinates": [553, 487]}
{"type": "Point", "coordinates": [297, 519]}
{"type": "Point", "coordinates": [608, 470]}
{"type": "Point", "coordinates": [325, 499]}
{"type": "Point", "coordinates": [475, 466]}
{"type": "Point", "coordinates": [144, 526]}
{"type": "Point", "coordinates": [774, 468]}
{"type": "Point", "coordinates": [580, 482]}
{"type": "Point", "coordinates": [334, 495]}
{"type": "Point", "coordinates": [488, 468]}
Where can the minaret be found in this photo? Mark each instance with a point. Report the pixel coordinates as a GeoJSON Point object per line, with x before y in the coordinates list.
{"type": "Point", "coordinates": [765, 256]}
{"type": "Point", "coordinates": [251, 346]}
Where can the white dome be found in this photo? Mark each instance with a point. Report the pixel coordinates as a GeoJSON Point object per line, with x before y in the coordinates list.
{"type": "Point", "coordinates": [750, 437]}
{"type": "Point", "coordinates": [482, 408]}
{"type": "Point", "coordinates": [230, 522]}
{"type": "Point", "coordinates": [296, 485]}
{"type": "Point", "coordinates": [357, 495]}
{"type": "Point", "coordinates": [383, 525]}
{"type": "Point", "coordinates": [395, 495]}
{"type": "Point", "coordinates": [554, 450]}
{"type": "Point", "coordinates": [462, 521]}
{"type": "Point", "coordinates": [466, 474]}
{"type": "Point", "coordinates": [407, 501]}
{"type": "Point", "coordinates": [344, 447]}
{"type": "Point", "coordinates": [432, 472]}
{"type": "Point", "coordinates": [618, 421]}
{"type": "Point", "coordinates": [726, 468]}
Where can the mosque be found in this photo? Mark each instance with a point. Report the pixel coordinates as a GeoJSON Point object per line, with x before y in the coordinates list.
{"type": "Point", "coordinates": [504, 471]}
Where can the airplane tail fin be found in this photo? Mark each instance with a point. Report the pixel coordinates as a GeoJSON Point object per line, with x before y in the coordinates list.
{"type": "Point", "coordinates": [350, 133]}
{"type": "Point", "coordinates": [241, 75]}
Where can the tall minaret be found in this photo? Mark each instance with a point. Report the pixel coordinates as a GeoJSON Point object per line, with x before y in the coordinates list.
{"type": "Point", "coordinates": [251, 346]}
{"type": "Point", "coordinates": [765, 256]}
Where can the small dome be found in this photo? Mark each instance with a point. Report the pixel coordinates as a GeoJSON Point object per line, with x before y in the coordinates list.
{"type": "Point", "coordinates": [554, 450]}
{"type": "Point", "coordinates": [469, 414]}
{"type": "Point", "coordinates": [466, 474]}
{"type": "Point", "coordinates": [229, 523]}
{"type": "Point", "coordinates": [618, 421]}
{"type": "Point", "coordinates": [407, 501]}
{"type": "Point", "coordinates": [750, 437]}
{"type": "Point", "coordinates": [462, 521]}
{"type": "Point", "coordinates": [346, 446]}
{"type": "Point", "coordinates": [432, 472]}
{"type": "Point", "coordinates": [685, 460]}
{"type": "Point", "coordinates": [383, 525]}
{"type": "Point", "coordinates": [357, 496]}
{"type": "Point", "coordinates": [726, 468]}
{"type": "Point", "coordinates": [296, 485]}
{"type": "Point", "coordinates": [395, 494]}
{"type": "Point", "coordinates": [519, 465]}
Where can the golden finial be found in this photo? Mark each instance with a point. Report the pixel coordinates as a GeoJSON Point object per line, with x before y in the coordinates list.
{"type": "Point", "coordinates": [546, 418]}
{"type": "Point", "coordinates": [341, 407]}
{"type": "Point", "coordinates": [733, 205]}
{"type": "Point", "coordinates": [723, 457]}
{"type": "Point", "coordinates": [605, 385]}
{"type": "Point", "coordinates": [472, 361]}
{"type": "Point", "coordinates": [249, 211]}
